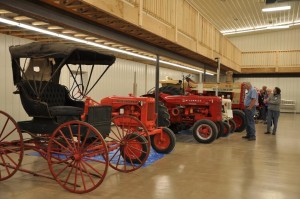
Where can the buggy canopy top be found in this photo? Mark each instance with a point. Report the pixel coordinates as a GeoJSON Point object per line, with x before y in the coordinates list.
{"type": "Point", "coordinates": [74, 55]}
{"type": "Point", "coordinates": [60, 54]}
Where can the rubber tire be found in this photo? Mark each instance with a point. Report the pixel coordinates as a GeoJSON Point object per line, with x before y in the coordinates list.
{"type": "Point", "coordinates": [144, 148]}
{"type": "Point", "coordinates": [213, 127]}
{"type": "Point", "coordinates": [227, 129]}
{"type": "Point", "coordinates": [241, 116]}
{"type": "Point", "coordinates": [163, 115]}
{"type": "Point", "coordinates": [170, 90]}
{"type": "Point", "coordinates": [175, 128]}
{"type": "Point", "coordinates": [171, 137]}
{"type": "Point", "coordinates": [220, 128]}
{"type": "Point", "coordinates": [232, 125]}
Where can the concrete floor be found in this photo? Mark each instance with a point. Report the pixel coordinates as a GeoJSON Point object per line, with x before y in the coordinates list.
{"type": "Point", "coordinates": [232, 167]}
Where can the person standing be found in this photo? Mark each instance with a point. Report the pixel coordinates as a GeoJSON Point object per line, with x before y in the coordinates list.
{"type": "Point", "coordinates": [273, 101]}
{"type": "Point", "coordinates": [250, 107]}
{"type": "Point", "coordinates": [261, 99]}
{"type": "Point", "coordinates": [269, 92]}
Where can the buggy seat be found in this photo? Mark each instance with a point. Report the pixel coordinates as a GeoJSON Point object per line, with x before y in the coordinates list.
{"type": "Point", "coordinates": [50, 102]}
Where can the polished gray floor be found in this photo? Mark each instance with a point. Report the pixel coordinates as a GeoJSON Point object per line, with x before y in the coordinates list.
{"type": "Point", "coordinates": [231, 167]}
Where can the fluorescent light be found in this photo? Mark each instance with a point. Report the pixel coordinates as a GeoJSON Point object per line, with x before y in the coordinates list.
{"type": "Point", "coordinates": [278, 27]}
{"type": "Point", "coordinates": [47, 32]}
{"type": "Point", "coordinates": [180, 66]}
{"type": "Point", "coordinates": [276, 9]}
{"type": "Point", "coordinates": [259, 28]}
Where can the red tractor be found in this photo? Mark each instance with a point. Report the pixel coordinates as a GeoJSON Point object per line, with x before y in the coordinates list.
{"type": "Point", "coordinates": [203, 115]}
{"type": "Point", "coordinates": [235, 92]}
{"type": "Point", "coordinates": [143, 108]}
{"type": "Point", "coordinates": [230, 91]}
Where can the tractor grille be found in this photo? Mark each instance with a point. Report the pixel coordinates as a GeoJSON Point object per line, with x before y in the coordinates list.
{"type": "Point", "coordinates": [100, 118]}
{"type": "Point", "coordinates": [151, 112]}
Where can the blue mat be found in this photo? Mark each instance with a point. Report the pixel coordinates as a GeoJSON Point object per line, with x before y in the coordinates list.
{"type": "Point", "coordinates": [153, 157]}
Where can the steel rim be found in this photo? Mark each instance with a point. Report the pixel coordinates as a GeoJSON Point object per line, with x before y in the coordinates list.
{"type": "Point", "coordinates": [128, 143]}
{"type": "Point", "coordinates": [11, 146]}
{"type": "Point", "coordinates": [161, 141]}
{"type": "Point", "coordinates": [77, 157]}
{"type": "Point", "coordinates": [238, 121]}
{"type": "Point", "coordinates": [204, 132]}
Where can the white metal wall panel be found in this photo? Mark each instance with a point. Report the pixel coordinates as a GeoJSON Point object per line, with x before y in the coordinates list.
{"type": "Point", "coordinates": [9, 102]}
{"type": "Point", "coordinates": [279, 40]}
{"type": "Point", "coordinates": [288, 86]}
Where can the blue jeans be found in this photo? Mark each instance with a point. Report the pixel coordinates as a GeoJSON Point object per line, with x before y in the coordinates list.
{"type": "Point", "coordinates": [272, 118]}
{"type": "Point", "coordinates": [264, 110]}
{"type": "Point", "coordinates": [250, 123]}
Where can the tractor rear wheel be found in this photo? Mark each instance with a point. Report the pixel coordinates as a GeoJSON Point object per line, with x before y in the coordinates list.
{"type": "Point", "coordinates": [163, 142]}
{"type": "Point", "coordinates": [227, 129]}
{"type": "Point", "coordinates": [205, 131]}
{"type": "Point", "coordinates": [220, 128]}
{"type": "Point", "coordinates": [11, 146]}
{"type": "Point", "coordinates": [232, 125]}
{"type": "Point", "coordinates": [134, 151]}
{"type": "Point", "coordinates": [240, 120]}
{"type": "Point", "coordinates": [129, 143]}
{"type": "Point", "coordinates": [163, 115]}
{"type": "Point", "coordinates": [170, 90]}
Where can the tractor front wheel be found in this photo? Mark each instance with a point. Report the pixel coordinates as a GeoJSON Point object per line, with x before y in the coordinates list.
{"type": "Point", "coordinates": [227, 129]}
{"type": "Point", "coordinates": [163, 142]}
{"type": "Point", "coordinates": [205, 131]}
{"type": "Point", "coordinates": [232, 125]}
{"type": "Point", "coordinates": [240, 120]}
{"type": "Point", "coordinates": [220, 127]}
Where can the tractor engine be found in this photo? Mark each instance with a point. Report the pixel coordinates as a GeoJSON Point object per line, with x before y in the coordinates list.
{"type": "Point", "coordinates": [142, 108]}
{"type": "Point", "coordinates": [186, 110]}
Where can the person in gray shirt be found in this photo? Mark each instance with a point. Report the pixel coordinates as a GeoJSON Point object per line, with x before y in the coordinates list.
{"type": "Point", "coordinates": [273, 101]}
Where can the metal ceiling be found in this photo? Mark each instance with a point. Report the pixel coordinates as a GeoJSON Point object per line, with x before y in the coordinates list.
{"type": "Point", "coordinates": [232, 15]}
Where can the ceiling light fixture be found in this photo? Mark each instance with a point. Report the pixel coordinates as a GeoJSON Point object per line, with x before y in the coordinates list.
{"type": "Point", "coordinates": [47, 32]}
{"type": "Point", "coordinates": [277, 27]}
{"type": "Point", "coordinates": [260, 28]}
{"type": "Point", "coordinates": [273, 9]}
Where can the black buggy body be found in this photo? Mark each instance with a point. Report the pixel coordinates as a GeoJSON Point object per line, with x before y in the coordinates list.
{"type": "Point", "coordinates": [37, 69]}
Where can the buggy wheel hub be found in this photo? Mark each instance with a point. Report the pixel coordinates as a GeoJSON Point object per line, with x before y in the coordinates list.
{"type": "Point", "coordinates": [77, 156]}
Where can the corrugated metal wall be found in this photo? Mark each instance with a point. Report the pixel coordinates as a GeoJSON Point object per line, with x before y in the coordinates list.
{"type": "Point", "coordinates": [9, 102]}
{"type": "Point", "coordinates": [288, 86]}
{"type": "Point", "coordinates": [118, 80]}
{"type": "Point", "coordinates": [277, 40]}
{"type": "Point", "coordinates": [277, 50]}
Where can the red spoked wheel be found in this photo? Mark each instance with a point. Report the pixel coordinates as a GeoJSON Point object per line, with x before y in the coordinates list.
{"type": "Point", "coordinates": [77, 157]}
{"type": "Point", "coordinates": [163, 142]}
{"type": "Point", "coordinates": [11, 146]}
{"type": "Point", "coordinates": [205, 131]}
{"type": "Point", "coordinates": [128, 143]}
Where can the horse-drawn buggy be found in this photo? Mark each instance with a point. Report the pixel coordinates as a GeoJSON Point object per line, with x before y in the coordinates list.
{"type": "Point", "coordinates": [79, 140]}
